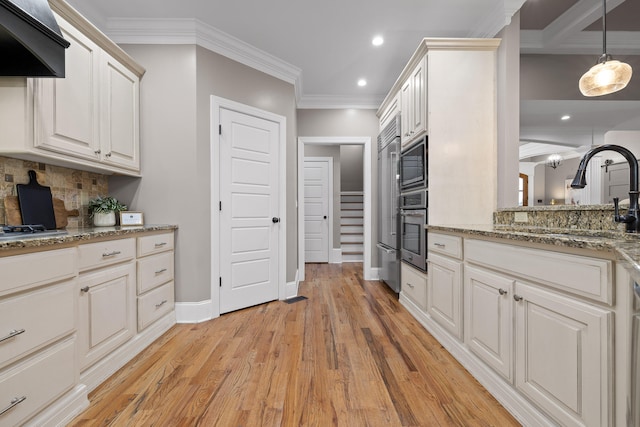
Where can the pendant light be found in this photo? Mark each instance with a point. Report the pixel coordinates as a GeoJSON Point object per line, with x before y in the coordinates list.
{"type": "Point", "coordinates": [608, 75]}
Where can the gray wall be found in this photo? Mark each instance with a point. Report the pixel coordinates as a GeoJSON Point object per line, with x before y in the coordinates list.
{"type": "Point", "coordinates": [554, 180]}
{"type": "Point", "coordinates": [175, 154]}
{"type": "Point", "coordinates": [351, 171]}
{"type": "Point", "coordinates": [347, 122]}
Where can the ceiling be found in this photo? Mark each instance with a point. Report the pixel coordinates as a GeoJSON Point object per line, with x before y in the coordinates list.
{"type": "Point", "coordinates": [324, 48]}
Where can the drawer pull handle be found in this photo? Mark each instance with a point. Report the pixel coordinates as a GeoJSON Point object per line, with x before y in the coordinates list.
{"type": "Point", "coordinates": [517, 297]}
{"type": "Point", "coordinates": [85, 289]}
{"type": "Point", "coordinates": [440, 245]}
{"type": "Point", "coordinates": [14, 402]}
{"type": "Point", "coordinates": [410, 285]}
{"type": "Point", "coordinates": [159, 245]}
{"type": "Point", "coordinates": [161, 271]}
{"type": "Point", "coordinates": [109, 254]}
{"type": "Point", "coordinates": [161, 304]}
{"type": "Point", "coordinates": [502, 291]}
{"type": "Point", "coordinates": [13, 333]}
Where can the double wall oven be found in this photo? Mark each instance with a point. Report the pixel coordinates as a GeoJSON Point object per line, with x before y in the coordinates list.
{"type": "Point", "coordinates": [414, 197]}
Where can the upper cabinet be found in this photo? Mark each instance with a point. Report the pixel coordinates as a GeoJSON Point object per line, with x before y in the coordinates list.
{"type": "Point", "coordinates": [413, 94]}
{"type": "Point", "coordinates": [448, 91]}
{"type": "Point", "coordinates": [88, 120]}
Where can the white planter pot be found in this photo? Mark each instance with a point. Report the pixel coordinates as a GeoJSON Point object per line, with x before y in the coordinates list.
{"type": "Point", "coordinates": [104, 219]}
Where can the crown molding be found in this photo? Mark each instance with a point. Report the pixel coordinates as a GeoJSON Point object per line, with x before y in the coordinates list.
{"type": "Point", "coordinates": [340, 102]}
{"type": "Point", "coordinates": [496, 19]}
{"type": "Point", "coordinates": [193, 31]}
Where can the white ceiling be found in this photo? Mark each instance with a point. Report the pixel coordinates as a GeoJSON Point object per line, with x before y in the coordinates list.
{"type": "Point", "coordinates": [324, 47]}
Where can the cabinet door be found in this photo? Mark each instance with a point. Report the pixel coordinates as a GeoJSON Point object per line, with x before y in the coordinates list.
{"type": "Point", "coordinates": [419, 98]}
{"type": "Point", "coordinates": [406, 93]}
{"type": "Point", "coordinates": [107, 311]}
{"type": "Point", "coordinates": [120, 111]}
{"type": "Point", "coordinates": [489, 319]}
{"type": "Point", "coordinates": [444, 300]}
{"type": "Point", "coordinates": [563, 356]}
{"type": "Point", "coordinates": [66, 118]}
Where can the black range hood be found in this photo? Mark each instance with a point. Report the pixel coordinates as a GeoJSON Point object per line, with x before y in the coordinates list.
{"type": "Point", "coordinates": [31, 44]}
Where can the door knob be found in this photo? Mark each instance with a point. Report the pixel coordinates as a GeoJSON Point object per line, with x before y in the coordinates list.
{"type": "Point", "coordinates": [275, 220]}
{"type": "Point", "coordinates": [324, 217]}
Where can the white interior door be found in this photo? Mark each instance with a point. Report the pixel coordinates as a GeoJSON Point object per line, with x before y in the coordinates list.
{"type": "Point", "coordinates": [249, 205]}
{"type": "Point", "coordinates": [316, 210]}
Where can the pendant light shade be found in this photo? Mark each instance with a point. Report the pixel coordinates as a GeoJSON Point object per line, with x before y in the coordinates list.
{"type": "Point", "coordinates": [605, 77]}
{"type": "Point", "coordinates": [608, 75]}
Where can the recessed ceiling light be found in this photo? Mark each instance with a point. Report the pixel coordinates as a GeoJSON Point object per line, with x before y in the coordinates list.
{"type": "Point", "coordinates": [377, 41]}
{"type": "Point", "coordinates": [565, 117]}
{"type": "Point", "coordinates": [362, 82]}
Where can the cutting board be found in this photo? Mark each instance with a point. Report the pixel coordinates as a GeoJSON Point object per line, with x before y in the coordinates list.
{"type": "Point", "coordinates": [36, 203]}
{"type": "Point", "coordinates": [13, 217]}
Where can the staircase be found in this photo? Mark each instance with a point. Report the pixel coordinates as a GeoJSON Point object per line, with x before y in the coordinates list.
{"type": "Point", "coordinates": [351, 226]}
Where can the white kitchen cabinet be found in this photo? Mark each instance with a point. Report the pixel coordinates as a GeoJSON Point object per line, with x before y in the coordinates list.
{"type": "Point", "coordinates": [413, 95]}
{"type": "Point", "coordinates": [88, 120]}
{"type": "Point", "coordinates": [489, 318]}
{"type": "Point", "coordinates": [560, 342]}
{"type": "Point", "coordinates": [444, 300]}
{"type": "Point", "coordinates": [413, 284]}
{"type": "Point", "coordinates": [563, 356]}
{"type": "Point", "coordinates": [155, 288]}
{"type": "Point", "coordinates": [38, 311]}
{"type": "Point", "coordinates": [107, 311]}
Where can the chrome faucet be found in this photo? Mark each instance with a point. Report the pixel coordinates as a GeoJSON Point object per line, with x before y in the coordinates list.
{"type": "Point", "coordinates": [631, 219]}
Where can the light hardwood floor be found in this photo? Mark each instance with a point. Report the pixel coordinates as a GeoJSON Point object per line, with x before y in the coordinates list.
{"type": "Point", "coordinates": [349, 355]}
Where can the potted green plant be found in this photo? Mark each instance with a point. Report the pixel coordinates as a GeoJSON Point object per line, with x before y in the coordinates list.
{"type": "Point", "coordinates": [103, 210]}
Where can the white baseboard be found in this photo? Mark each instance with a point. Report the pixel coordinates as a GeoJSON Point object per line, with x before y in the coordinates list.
{"type": "Point", "coordinates": [504, 393]}
{"type": "Point", "coordinates": [194, 312]}
{"type": "Point", "coordinates": [374, 273]}
{"type": "Point", "coordinates": [335, 256]}
{"type": "Point", "coordinates": [291, 288]}
{"type": "Point", "coordinates": [64, 409]}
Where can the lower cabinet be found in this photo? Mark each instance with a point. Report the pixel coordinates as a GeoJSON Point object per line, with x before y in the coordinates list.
{"type": "Point", "coordinates": [563, 355]}
{"type": "Point", "coordinates": [413, 285]}
{"type": "Point", "coordinates": [444, 300]}
{"type": "Point", "coordinates": [538, 326]}
{"type": "Point", "coordinates": [107, 311]}
{"type": "Point", "coordinates": [489, 319]}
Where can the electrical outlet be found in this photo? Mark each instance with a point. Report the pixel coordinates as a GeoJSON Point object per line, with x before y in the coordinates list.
{"type": "Point", "coordinates": [521, 217]}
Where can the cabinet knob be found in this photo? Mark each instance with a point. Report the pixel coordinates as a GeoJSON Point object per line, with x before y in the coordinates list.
{"type": "Point", "coordinates": [502, 291]}
{"type": "Point", "coordinates": [410, 285]}
{"type": "Point", "coordinates": [108, 154]}
{"type": "Point", "coordinates": [85, 289]}
{"type": "Point", "coordinates": [517, 297]}
{"type": "Point", "coordinates": [98, 151]}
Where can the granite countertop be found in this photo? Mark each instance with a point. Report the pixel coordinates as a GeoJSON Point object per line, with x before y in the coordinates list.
{"type": "Point", "coordinates": [625, 246]}
{"type": "Point", "coordinates": [76, 235]}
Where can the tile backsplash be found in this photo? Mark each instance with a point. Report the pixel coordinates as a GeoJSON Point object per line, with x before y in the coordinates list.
{"type": "Point", "coordinates": [73, 186]}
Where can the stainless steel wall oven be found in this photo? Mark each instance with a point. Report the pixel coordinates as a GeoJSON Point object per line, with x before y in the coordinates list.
{"type": "Point", "coordinates": [414, 217]}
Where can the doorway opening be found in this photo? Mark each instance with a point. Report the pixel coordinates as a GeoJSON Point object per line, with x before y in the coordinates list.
{"type": "Point", "coordinates": [365, 143]}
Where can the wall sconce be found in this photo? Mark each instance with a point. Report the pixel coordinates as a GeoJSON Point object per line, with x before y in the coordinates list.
{"type": "Point", "coordinates": [608, 75]}
{"type": "Point", "coordinates": [553, 161]}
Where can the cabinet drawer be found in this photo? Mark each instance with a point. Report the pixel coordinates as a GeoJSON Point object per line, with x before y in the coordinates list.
{"type": "Point", "coordinates": [40, 380]}
{"type": "Point", "coordinates": [414, 285]}
{"type": "Point", "coordinates": [148, 245]}
{"type": "Point", "coordinates": [155, 270]}
{"type": "Point", "coordinates": [445, 244]}
{"type": "Point", "coordinates": [44, 315]}
{"type": "Point", "coordinates": [154, 305]}
{"type": "Point", "coordinates": [96, 255]}
{"type": "Point", "coordinates": [21, 272]}
{"type": "Point", "coordinates": [579, 275]}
